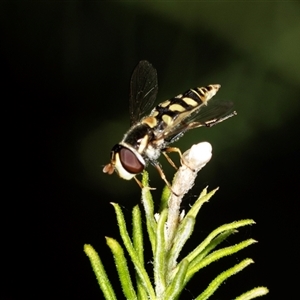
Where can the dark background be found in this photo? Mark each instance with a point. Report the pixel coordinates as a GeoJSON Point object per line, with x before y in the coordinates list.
{"type": "Point", "coordinates": [65, 70]}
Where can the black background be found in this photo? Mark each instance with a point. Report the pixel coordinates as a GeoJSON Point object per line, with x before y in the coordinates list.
{"type": "Point", "coordinates": [65, 70]}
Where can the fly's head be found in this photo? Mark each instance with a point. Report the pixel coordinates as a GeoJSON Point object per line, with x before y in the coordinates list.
{"type": "Point", "coordinates": [126, 161]}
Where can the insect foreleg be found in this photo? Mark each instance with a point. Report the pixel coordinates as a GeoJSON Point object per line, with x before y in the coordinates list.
{"type": "Point", "coordinates": [162, 175]}
{"type": "Point", "coordinates": [170, 161]}
{"type": "Point", "coordinates": [182, 160]}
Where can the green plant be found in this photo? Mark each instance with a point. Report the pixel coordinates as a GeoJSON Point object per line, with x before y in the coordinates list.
{"type": "Point", "coordinates": [168, 232]}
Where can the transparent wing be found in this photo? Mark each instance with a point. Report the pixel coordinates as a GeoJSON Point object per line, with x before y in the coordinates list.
{"type": "Point", "coordinates": [208, 115]}
{"type": "Point", "coordinates": [143, 90]}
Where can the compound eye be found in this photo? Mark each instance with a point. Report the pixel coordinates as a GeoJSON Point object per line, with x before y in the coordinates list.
{"type": "Point", "coordinates": [130, 162]}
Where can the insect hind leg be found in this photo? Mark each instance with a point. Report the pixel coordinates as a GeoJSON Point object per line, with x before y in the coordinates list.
{"type": "Point", "coordinates": [219, 120]}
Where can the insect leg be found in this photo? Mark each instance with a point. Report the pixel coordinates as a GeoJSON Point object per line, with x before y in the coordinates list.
{"type": "Point", "coordinates": [141, 185]}
{"type": "Point", "coordinates": [170, 161]}
{"type": "Point", "coordinates": [138, 182]}
{"type": "Point", "coordinates": [163, 176]}
{"type": "Point", "coordinates": [219, 120]}
{"type": "Point", "coordinates": [175, 149]}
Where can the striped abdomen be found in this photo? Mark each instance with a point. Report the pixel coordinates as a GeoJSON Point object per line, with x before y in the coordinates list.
{"type": "Point", "coordinates": [177, 109]}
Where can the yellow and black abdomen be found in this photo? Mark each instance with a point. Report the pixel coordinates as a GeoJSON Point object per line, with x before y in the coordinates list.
{"type": "Point", "coordinates": [175, 110]}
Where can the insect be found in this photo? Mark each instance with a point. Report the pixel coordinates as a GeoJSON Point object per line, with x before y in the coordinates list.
{"type": "Point", "coordinates": [150, 135]}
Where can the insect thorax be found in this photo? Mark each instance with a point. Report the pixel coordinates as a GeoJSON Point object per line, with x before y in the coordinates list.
{"type": "Point", "coordinates": [142, 138]}
{"type": "Point", "coordinates": [136, 134]}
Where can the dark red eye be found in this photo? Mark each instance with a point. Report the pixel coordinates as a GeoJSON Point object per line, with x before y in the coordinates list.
{"type": "Point", "coordinates": [130, 162]}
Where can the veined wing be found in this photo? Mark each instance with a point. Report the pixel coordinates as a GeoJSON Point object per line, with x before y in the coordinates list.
{"type": "Point", "coordinates": [143, 90]}
{"type": "Point", "coordinates": [208, 115]}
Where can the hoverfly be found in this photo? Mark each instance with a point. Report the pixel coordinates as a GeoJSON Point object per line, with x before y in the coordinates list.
{"type": "Point", "coordinates": [150, 135]}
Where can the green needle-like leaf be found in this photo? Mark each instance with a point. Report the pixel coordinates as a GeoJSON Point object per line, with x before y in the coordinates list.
{"type": "Point", "coordinates": [254, 293]}
{"type": "Point", "coordinates": [213, 286]}
{"type": "Point", "coordinates": [182, 235]}
{"type": "Point", "coordinates": [164, 198]}
{"type": "Point", "coordinates": [160, 256]}
{"type": "Point", "coordinates": [132, 253]}
{"type": "Point", "coordinates": [121, 265]}
{"type": "Point", "coordinates": [215, 233]}
{"type": "Point", "coordinates": [137, 233]}
{"type": "Point", "coordinates": [100, 273]}
{"type": "Point", "coordinates": [147, 202]}
{"type": "Point", "coordinates": [175, 288]}
{"type": "Point", "coordinates": [204, 197]}
{"type": "Point", "coordinates": [215, 242]}
{"type": "Point", "coordinates": [198, 264]}
{"type": "Point", "coordinates": [137, 237]}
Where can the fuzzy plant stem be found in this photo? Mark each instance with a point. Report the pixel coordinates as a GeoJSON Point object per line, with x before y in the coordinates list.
{"type": "Point", "coordinates": [194, 160]}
